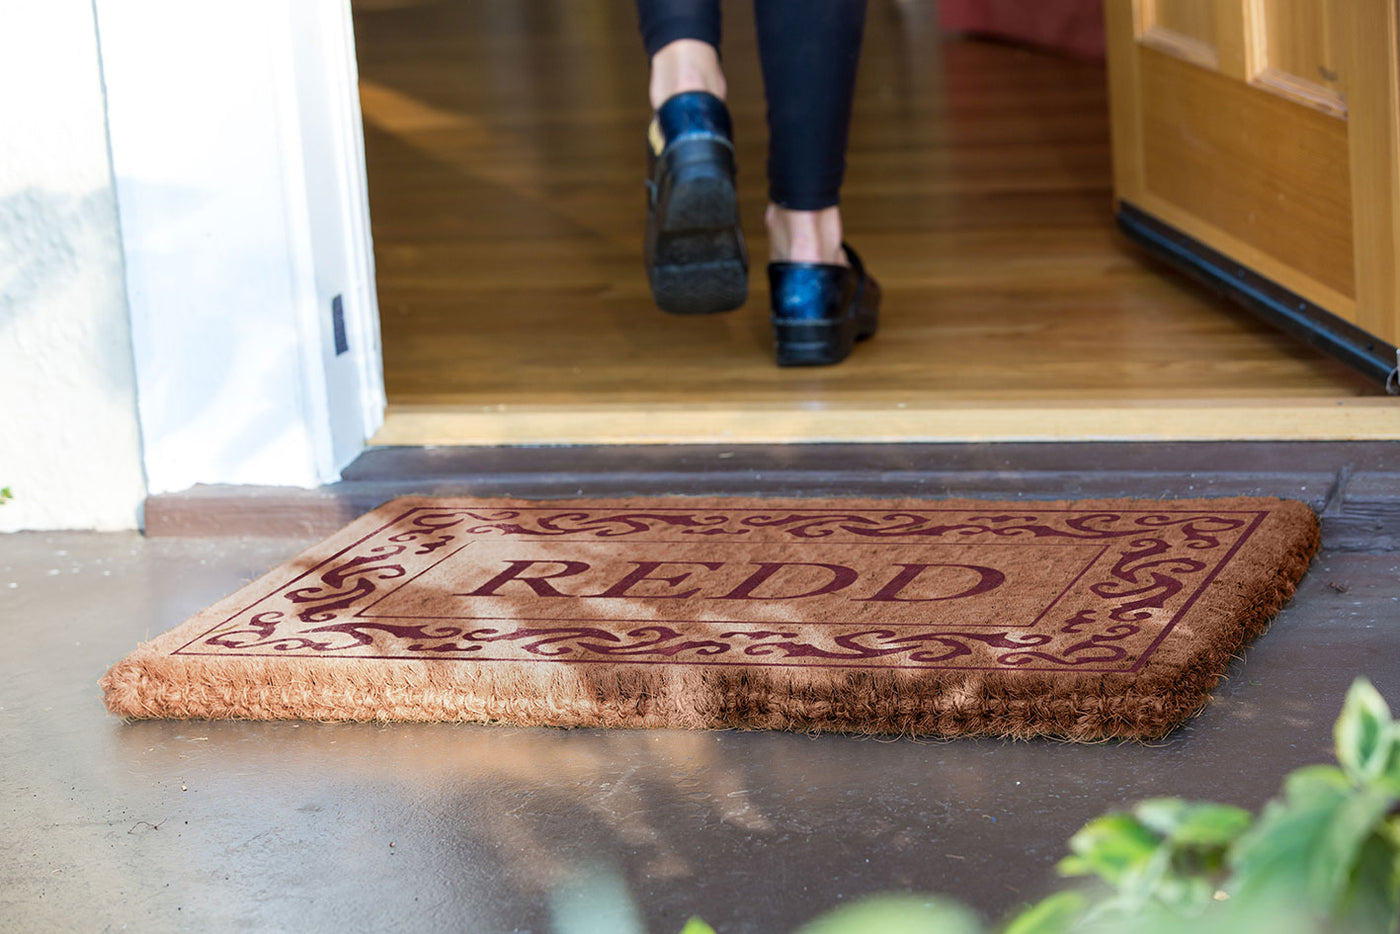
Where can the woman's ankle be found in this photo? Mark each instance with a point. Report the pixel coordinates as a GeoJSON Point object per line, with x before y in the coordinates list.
{"type": "Point", "coordinates": [685, 65]}
{"type": "Point", "coordinates": [804, 236]}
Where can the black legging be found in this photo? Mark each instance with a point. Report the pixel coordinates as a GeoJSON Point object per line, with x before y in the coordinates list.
{"type": "Point", "coordinates": [809, 50]}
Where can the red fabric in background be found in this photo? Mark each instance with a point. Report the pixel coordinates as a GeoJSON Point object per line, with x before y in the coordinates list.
{"type": "Point", "coordinates": [1074, 26]}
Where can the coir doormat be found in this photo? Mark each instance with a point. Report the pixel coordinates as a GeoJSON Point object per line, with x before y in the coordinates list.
{"type": "Point", "coordinates": [1083, 620]}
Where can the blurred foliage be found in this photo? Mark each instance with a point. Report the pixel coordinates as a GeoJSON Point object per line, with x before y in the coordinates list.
{"type": "Point", "coordinates": [5, 495]}
{"type": "Point", "coordinates": [1324, 856]}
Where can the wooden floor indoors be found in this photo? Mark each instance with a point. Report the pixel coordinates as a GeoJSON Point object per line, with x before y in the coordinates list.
{"type": "Point", "coordinates": [505, 154]}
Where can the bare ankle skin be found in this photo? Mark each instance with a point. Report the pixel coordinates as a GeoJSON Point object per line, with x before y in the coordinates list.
{"type": "Point", "coordinates": [685, 65]}
{"type": "Point", "coordinates": [804, 236]}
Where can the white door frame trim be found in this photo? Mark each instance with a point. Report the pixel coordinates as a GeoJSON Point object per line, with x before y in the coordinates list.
{"type": "Point", "coordinates": [238, 159]}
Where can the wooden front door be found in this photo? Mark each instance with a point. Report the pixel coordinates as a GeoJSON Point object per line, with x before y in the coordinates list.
{"type": "Point", "coordinates": [1256, 143]}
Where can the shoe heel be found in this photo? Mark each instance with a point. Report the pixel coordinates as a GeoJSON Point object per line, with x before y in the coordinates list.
{"type": "Point", "coordinates": [700, 288]}
{"type": "Point", "coordinates": [698, 262]}
{"type": "Point", "coordinates": [820, 310]}
{"type": "Point", "coordinates": [813, 343]}
{"type": "Point", "coordinates": [700, 192]}
{"type": "Point", "coordinates": [868, 314]}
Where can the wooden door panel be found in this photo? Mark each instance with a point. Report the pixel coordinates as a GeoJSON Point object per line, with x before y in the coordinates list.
{"type": "Point", "coordinates": [1233, 155]}
{"type": "Point", "coordinates": [1186, 29]}
{"type": "Point", "coordinates": [1294, 47]}
{"type": "Point", "coordinates": [1192, 18]}
{"type": "Point", "coordinates": [1268, 132]}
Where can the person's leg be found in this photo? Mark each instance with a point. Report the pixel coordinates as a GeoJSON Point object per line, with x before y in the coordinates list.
{"type": "Point", "coordinates": [685, 65]}
{"type": "Point", "coordinates": [682, 41]}
{"type": "Point", "coordinates": [664, 21]}
{"type": "Point", "coordinates": [695, 255]}
{"type": "Point", "coordinates": [823, 301]}
{"type": "Point", "coordinates": [809, 50]}
{"type": "Point", "coordinates": [804, 236]}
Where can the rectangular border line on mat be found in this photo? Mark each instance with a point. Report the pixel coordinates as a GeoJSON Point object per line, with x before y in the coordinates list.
{"type": "Point", "coordinates": [1245, 534]}
{"type": "Point", "coordinates": [363, 614]}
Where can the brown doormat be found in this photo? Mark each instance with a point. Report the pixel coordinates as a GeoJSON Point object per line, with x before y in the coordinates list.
{"type": "Point", "coordinates": [1083, 620]}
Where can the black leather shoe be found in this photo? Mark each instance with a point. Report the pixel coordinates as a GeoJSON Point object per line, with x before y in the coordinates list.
{"type": "Point", "coordinates": [695, 255]}
{"type": "Point", "coordinates": [820, 310]}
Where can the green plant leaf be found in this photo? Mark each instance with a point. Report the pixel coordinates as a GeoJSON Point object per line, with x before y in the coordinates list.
{"type": "Point", "coordinates": [1370, 901]}
{"type": "Point", "coordinates": [1185, 895]}
{"type": "Point", "coordinates": [1315, 783]}
{"type": "Point", "coordinates": [1162, 815]}
{"type": "Point", "coordinates": [1365, 734]}
{"type": "Point", "coordinates": [1318, 845]}
{"type": "Point", "coordinates": [1232, 918]}
{"type": "Point", "coordinates": [896, 914]}
{"type": "Point", "coordinates": [1057, 914]}
{"type": "Point", "coordinates": [1274, 859]}
{"type": "Point", "coordinates": [1390, 772]}
{"type": "Point", "coordinates": [1359, 819]}
{"type": "Point", "coordinates": [1196, 824]}
{"type": "Point", "coordinates": [1111, 847]}
{"type": "Point", "coordinates": [697, 926]}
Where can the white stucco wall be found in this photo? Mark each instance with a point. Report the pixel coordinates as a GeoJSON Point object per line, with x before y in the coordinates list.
{"type": "Point", "coordinates": [70, 444]}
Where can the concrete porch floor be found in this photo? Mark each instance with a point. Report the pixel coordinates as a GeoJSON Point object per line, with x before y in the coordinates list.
{"type": "Point", "coordinates": [218, 826]}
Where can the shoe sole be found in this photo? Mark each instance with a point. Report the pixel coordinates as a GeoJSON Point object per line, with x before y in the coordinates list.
{"type": "Point", "coordinates": [697, 263]}
{"type": "Point", "coordinates": [804, 342]}
{"type": "Point", "coordinates": [816, 343]}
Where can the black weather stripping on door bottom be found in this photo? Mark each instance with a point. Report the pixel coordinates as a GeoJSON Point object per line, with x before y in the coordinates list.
{"type": "Point", "coordinates": [1316, 326]}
